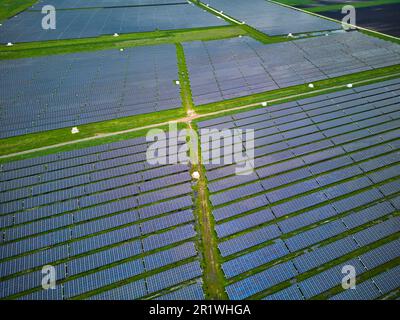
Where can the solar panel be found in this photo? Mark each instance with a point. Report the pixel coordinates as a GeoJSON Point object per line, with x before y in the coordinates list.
{"type": "Point", "coordinates": [261, 281]}
{"type": "Point", "coordinates": [190, 292]}
{"type": "Point", "coordinates": [173, 276]}
{"type": "Point", "coordinates": [254, 259]}
{"type": "Point", "coordinates": [290, 293]}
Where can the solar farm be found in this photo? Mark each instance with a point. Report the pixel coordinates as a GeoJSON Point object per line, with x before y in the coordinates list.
{"type": "Point", "coordinates": [82, 194]}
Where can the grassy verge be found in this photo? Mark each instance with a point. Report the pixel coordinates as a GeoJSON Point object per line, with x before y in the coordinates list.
{"type": "Point", "coordinates": [213, 276]}
{"type": "Point", "coordinates": [9, 8]}
{"type": "Point", "coordinates": [47, 138]}
{"type": "Point", "coordinates": [299, 89]}
{"type": "Point", "coordinates": [33, 49]}
{"type": "Point", "coordinates": [186, 92]}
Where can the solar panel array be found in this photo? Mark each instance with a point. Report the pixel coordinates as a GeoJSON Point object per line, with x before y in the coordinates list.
{"type": "Point", "coordinates": [81, 88]}
{"type": "Point", "coordinates": [232, 68]}
{"type": "Point", "coordinates": [94, 22]}
{"type": "Point", "coordinates": [75, 4]}
{"type": "Point", "coordinates": [271, 18]}
{"type": "Point", "coordinates": [324, 187]}
{"type": "Point", "coordinates": [113, 226]}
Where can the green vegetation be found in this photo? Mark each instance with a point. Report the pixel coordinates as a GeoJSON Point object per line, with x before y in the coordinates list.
{"type": "Point", "coordinates": [97, 129]}
{"type": "Point", "coordinates": [213, 276]}
{"type": "Point", "coordinates": [9, 8]}
{"type": "Point", "coordinates": [184, 82]}
{"type": "Point", "coordinates": [33, 49]}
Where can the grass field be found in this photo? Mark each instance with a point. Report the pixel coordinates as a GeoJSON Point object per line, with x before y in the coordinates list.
{"type": "Point", "coordinates": [9, 8]}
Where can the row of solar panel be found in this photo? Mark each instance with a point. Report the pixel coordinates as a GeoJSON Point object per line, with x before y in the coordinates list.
{"type": "Point", "coordinates": [282, 272]}
{"type": "Point", "coordinates": [257, 202]}
{"type": "Point", "coordinates": [75, 4]}
{"type": "Point", "coordinates": [254, 68]}
{"type": "Point", "coordinates": [282, 151]}
{"type": "Point", "coordinates": [339, 136]}
{"type": "Point", "coordinates": [60, 101]}
{"type": "Point", "coordinates": [303, 240]}
{"type": "Point", "coordinates": [132, 192]}
{"type": "Point", "coordinates": [93, 22]}
{"type": "Point", "coordinates": [272, 18]}
{"type": "Point", "coordinates": [315, 102]}
{"type": "Point", "coordinates": [133, 290]}
{"type": "Point", "coordinates": [99, 259]}
{"type": "Point", "coordinates": [87, 244]}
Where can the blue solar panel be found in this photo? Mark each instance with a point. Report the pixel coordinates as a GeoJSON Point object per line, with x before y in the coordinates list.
{"type": "Point", "coordinates": [166, 238]}
{"type": "Point", "coordinates": [313, 236]}
{"type": "Point", "coordinates": [248, 240]}
{"type": "Point", "coordinates": [243, 223]}
{"type": "Point", "coordinates": [328, 279]}
{"type": "Point", "coordinates": [173, 276]}
{"type": "Point", "coordinates": [261, 281]}
{"type": "Point", "coordinates": [175, 254]}
{"type": "Point", "coordinates": [366, 290]}
{"type": "Point", "coordinates": [254, 259]}
{"type": "Point", "coordinates": [190, 292]}
{"type": "Point", "coordinates": [380, 255]}
{"type": "Point", "coordinates": [102, 278]}
{"type": "Point", "coordinates": [290, 293]}
{"type": "Point", "coordinates": [389, 280]}
{"type": "Point", "coordinates": [130, 291]}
